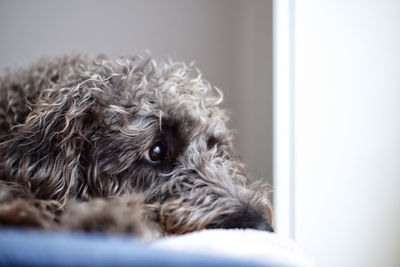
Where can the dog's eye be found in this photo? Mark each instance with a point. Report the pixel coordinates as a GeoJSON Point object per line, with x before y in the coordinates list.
{"type": "Point", "coordinates": [156, 153]}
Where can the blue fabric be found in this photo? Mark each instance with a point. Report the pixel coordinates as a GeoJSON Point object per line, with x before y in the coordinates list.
{"type": "Point", "coordinates": [39, 248]}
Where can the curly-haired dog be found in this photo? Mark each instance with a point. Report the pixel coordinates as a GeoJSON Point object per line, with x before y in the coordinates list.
{"type": "Point", "coordinates": [120, 146]}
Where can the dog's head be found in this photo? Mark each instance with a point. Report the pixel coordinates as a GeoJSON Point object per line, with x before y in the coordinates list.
{"type": "Point", "coordinates": [106, 127]}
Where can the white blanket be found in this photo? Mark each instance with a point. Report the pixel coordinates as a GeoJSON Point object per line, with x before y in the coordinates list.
{"type": "Point", "coordinates": [251, 245]}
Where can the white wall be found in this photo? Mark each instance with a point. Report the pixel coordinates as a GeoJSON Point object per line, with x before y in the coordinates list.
{"type": "Point", "coordinates": [230, 40]}
{"type": "Point", "coordinates": [346, 154]}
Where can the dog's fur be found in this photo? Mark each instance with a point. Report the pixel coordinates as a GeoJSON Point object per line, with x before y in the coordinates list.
{"type": "Point", "coordinates": [75, 138]}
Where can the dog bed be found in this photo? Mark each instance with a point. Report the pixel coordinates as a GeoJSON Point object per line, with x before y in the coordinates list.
{"type": "Point", "coordinates": [251, 245]}
{"type": "Point", "coordinates": [205, 248]}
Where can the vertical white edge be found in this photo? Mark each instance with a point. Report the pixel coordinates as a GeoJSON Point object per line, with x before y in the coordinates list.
{"type": "Point", "coordinates": [283, 117]}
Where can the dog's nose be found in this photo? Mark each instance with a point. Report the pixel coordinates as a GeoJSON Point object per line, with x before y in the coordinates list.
{"type": "Point", "coordinates": [264, 226]}
{"type": "Point", "coordinates": [243, 220]}
{"type": "Point", "coordinates": [256, 222]}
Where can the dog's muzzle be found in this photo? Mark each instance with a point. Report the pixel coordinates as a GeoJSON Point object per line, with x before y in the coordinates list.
{"type": "Point", "coordinates": [244, 219]}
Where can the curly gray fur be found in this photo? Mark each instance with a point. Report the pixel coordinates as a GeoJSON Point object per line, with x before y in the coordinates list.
{"type": "Point", "coordinates": [74, 134]}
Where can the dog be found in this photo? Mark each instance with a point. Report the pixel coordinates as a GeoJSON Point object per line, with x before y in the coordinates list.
{"type": "Point", "coordinates": [121, 146]}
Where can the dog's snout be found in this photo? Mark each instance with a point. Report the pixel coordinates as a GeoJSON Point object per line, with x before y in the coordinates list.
{"type": "Point", "coordinates": [254, 222]}
{"type": "Point", "coordinates": [264, 226]}
{"type": "Point", "coordinates": [243, 220]}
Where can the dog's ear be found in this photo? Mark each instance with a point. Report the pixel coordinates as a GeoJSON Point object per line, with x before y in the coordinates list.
{"type": "Point", "coordinates": [50, 150]}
